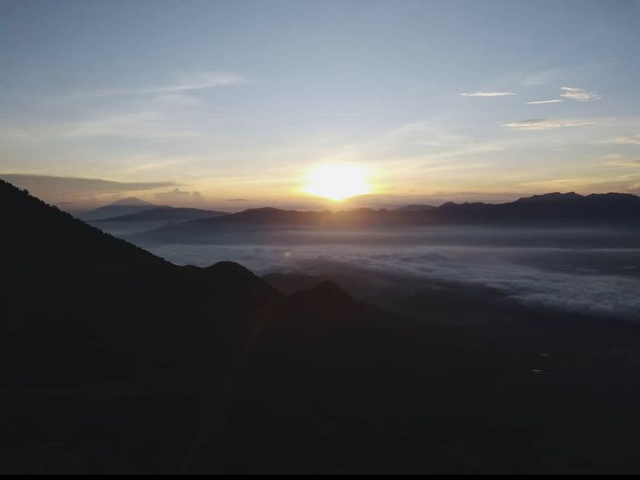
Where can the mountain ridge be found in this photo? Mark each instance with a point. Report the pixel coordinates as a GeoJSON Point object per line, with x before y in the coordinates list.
{"type": "Point", "coordinates": [554, 209]}
{"type": "Point", "coordinates": [165, 214]}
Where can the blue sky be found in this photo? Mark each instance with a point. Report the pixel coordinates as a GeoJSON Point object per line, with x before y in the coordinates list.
{"type": "Point", "coordinates": [217, 100]}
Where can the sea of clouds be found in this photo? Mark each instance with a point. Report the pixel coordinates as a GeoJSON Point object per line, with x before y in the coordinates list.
{"type": "Point", "coordinates": [592, 272]}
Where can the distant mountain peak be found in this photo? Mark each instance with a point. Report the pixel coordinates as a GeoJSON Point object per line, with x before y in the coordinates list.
{"type": "Point", "coordinates": [130, 202]}
{"type": "Point", "coordinates": [551, 197]}
{"type": "Point", "coordinates": [330, 289]}
{"type": "Point", "coordinates": [120, 207]}
{"type": "Point", "coordinates": [230, 269]}
{"type": "Point", "coordinates": [415, 208]}
{"type": "Point", "coordinates": [612, 195]}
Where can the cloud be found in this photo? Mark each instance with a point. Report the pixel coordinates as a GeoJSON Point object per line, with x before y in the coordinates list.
{"type": "Point", "coordinates": [542, 102]}
{"type": "Point", "coordinates": [410, 141]}
{"type": "Point", "coordinates": [544, 124]}
{"type": "Point", "coordinates": [579, 94]}
{"type": "Point", "coordinates": [58, 189]}
{"type": "Point", "coordinates": [178, 196]}
{"type": "Point", "coordinates": [574, 279]}
{"type": "Point", "coordinates": [423, 134]}
{"type": "Point", "coordinates": [444, 164]}
{"type": "Point", "coordinates": [236, 200]}
{"type": "Point", "coordinates": [622, 162]}
{"type": "Point", "coordinates": [486, 94]}
{"type": "Point", "coordinates": [190, 83]}
{"type": "Point", "coordinates": [622, 140]}
{"type": "Point", "coordinates": [145, 125]}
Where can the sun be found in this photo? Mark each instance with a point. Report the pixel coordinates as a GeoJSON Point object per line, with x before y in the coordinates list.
{"type": "Point", "coordinates": [338, 181]}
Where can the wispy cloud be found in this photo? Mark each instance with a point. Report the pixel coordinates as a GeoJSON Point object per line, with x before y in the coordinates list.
{"type": "Point", "coordinates": [190, 83]}
{"type": "Point", "coordinates": [150, 125]}
{"type": "Point", "coordinates": [623, 162]}
{"type": "Point", "coordinates": [486, 94]}
{"type": "Point", "coordinates": [376, 263]}
{"type": "Point", "coordinates": [450, 159]}
{"type": "Point", "coordinates": [56, 189]}
{"type": "Point", "coordinates": [426, 133]}
{"type": "Point", "coordinates": [408, 141]}
{"type": "Point", "coordinates": [178, 196]}
{"type": "Point", "coordinates": [544, 124]}
{"type": "Point", "coordinates": [622, 140]}
{"type": "Point", "coordinates": [579, 94]}
{"type": "Point", "coordinates": [542, 102]}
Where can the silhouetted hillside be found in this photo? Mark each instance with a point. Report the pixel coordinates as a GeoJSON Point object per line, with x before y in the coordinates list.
{"type": "Point", "coordinates": [116, 361]}
{"type": "Point", "coordinates": [81, 308]}
{"type": "Point", "coordinates": [107, 349]}
{"type": "Point", "coordinates": [42, 238]}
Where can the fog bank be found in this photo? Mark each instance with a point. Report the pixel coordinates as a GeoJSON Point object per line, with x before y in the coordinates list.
{"type": "Point", "coordinates": [566, 269]}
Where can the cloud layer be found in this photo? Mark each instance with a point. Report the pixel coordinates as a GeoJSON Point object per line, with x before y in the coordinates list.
{"type": "Point", "coordinates": [544, 124]}
{"type": "Point", "coordinates": [622, 140]}
{"type": "Point", "coordinates": [543, 102]}
{"type": "Point", "coordinates": [188, 83]}
{"type": "Point", "coordinates": [487, 94]}
{"type": "Point", "coordinates": [53, 189]}
{"type": "Point", "coordinates": [579, 94]}
{"type": "Point", "coordinates": [178, 196]}
{"type": "Point", "coordinates": [603, 281]}
{"type": "Point", "coordinates": [615, 296]}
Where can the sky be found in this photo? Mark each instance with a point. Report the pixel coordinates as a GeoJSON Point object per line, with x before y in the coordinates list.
{"type": "Point", "coordinates": [234, 104]}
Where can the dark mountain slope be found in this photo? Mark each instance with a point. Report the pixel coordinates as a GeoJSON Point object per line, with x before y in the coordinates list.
{"type": "Point", "coordinates": [46, 240]}
{"type": "Point", "coordinates": [129, 364]}
{"type": "Point", "coordinates": [519, 392]}
{"type": "Point", "coordinates": [112, 359]}
{"type": "Point", "coordinates": [55, 264]}
{"type": "Point", "coordinates": [86, 318]}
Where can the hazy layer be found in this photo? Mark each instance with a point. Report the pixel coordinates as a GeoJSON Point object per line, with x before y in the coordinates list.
{"type": "Point", "coordinates": [596, 271]}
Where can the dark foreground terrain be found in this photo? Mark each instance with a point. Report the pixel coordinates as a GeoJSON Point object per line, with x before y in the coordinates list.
{"type": "Point", "coordinates": [115, 361]}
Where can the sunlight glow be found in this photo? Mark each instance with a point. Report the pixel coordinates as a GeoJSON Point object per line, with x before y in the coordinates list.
{"type": "Point", "coordinates": [338, 181]}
